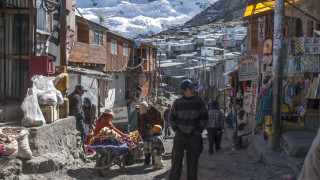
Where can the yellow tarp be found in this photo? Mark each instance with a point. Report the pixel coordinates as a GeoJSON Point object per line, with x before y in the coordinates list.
{"type": "Point", "coordinates": [261, 6]}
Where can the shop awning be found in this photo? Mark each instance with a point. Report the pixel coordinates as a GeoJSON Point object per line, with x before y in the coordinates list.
{"type": "Point", "coordinates": [296, 8]}
{"type": "Point", "coordinates": [229, 72]}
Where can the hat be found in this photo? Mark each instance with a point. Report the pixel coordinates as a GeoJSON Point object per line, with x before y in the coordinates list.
{"type": "Point", "coordinates": [81, 87]}
{"type": "Point", "coordinates": [136, 106]}
{"type": "Point", "coordinates": [187, 83]}
{"type": "Point", "coordinates": [157, 128]}
{"type": "Point", "coordinates": [169, 105]}
{"type": "Point", "coordinates": [86, 100]}
{"type": "Point", "coordinates": [108, 111]}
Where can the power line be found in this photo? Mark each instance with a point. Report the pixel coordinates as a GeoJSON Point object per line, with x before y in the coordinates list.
{"type": "Point", "coordinates": [133, 8]}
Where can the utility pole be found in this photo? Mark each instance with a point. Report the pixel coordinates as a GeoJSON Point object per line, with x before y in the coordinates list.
{"type": "Point", "coordinates": [63, 34]}
{"type": "Point", "coordinates": [204, 76]}
{"type": "Point", "coordinates": [274, 142]}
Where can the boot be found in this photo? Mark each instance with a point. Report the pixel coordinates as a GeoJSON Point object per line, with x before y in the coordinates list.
{"type": "Point", "coordinates": [147, 158]}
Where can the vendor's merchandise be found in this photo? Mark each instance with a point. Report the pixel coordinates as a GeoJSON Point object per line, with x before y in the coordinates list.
{"type": "Point", "coordinates": [129, 142]}
{"type": "Point", "coordinates": [50, 113]}
{"type": "Point", "coordinates": [32, 113]}
{"type": "Point", "coordinates": [107, 132]}
{"type": "Point", "coordinates": [134, 136]}
{"type": "Point", "coordinates": [106, 140]}
{"type": "Point", "coordinates": [10, 144]}
{"type": "Point", "coordinates": [21, 135]}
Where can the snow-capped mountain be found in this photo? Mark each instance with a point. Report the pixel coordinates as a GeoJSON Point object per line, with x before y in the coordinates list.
{"type": "Point", "coordinates": [136, 18]}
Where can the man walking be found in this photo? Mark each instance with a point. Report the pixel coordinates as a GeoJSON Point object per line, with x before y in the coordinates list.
{"type": "Point", "coordinates": [133, 118]}
{"type": "Point", "coordinates": [148, 117]}
{"type": "Point", "coordinates": [166, 115]}
{"type": "Point", "coordinates": [215, 127]}
{"type": "Point", "coordinates": [75, 109]}
{"type": "Point", "coordinates": [188, 119]}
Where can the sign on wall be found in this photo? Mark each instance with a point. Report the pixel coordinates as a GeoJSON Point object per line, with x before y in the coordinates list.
{"type": "Point", "coordinates": [248, 67]}
{"type": "Point", "coordinates": [142, 79]}
{"type": "Point", "coordinates": [261, 29]}
{"type": "Point", "coordinates": [246, 101]}
{"type": "Point", "coordinates": [253, 98]}
{"type": "Point", "coordinates": [120, 115]}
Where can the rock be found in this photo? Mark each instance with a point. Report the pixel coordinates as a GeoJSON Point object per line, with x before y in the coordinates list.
{"type": "Point", "coordinates": [10, 168]}
{"type": "Point", "coordinates": [44, 163]}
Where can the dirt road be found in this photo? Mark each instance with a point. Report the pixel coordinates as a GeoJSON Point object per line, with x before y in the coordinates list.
{"type": "Point", "coordinates": [224, 165]}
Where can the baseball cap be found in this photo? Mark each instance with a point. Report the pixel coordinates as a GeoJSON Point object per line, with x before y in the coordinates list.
{"type": "Point", "coordinates": [187, 83]}
{"type": "Point", "coordinates": [86, 100]}
{"type": "Point", "coordinates": [81, 87]}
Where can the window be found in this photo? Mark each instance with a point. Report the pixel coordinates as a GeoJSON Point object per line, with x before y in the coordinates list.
{"type": "Point", "coordinates": [125, 49]}
{"type": "Point", "coordinates": [114, 46]}
{"type": "Point", "coordinates": [148, 58]}
{"type": "Point", "coordinates": [151, 54]}
{"type": "Point", "coordinates": [98, 37]}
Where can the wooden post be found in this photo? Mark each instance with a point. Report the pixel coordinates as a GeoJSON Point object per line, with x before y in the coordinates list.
{"type": "Point", "coordinates": [274, 142]}
{"type": "Point", "coordinates": [63, 34]}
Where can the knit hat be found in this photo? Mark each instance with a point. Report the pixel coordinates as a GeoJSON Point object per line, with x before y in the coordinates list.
{"type": "Point", "coordinates": [143, 107]}
{"type": "Point", "coordinates": [86, 100]}
{"type": "Point", "coordinates": [157, 128]}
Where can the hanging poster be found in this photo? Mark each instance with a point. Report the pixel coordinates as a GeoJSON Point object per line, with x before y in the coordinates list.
{"type": "Point", "coordinates": [248, 67]}
{"type": "Point", "coordinates": [316, 49]}
{"type": "Point", "coordinates": [267, 46]}
{"type": "Point", "coordinates": [316, 41]}
{"type": "Point", "coordinates": [266, 59]}
{"type": "Point", "coordinates": [120, 115]}
{"type": "Point", "coordinates": [106, 90]}
{"type": "Point", "coordinates": [253, 98]}
{"type": "Point", "coordinates": [309, 63]}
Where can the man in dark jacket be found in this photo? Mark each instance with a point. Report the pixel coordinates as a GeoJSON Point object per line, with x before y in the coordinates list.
{"type": "Point", "coordinates": [166, 115]}
{"type": "Point", "coordinates": [75, 109]}
{"type": "Point", "coordinates": [90, 117]}
{"type": "Point", "coordinates": [188, 119]}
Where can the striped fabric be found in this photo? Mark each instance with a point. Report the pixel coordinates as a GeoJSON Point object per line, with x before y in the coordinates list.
{"type": "Point", "coordinates": [188, 114]}
{"type": "Point", "coordinates": [148, 140]}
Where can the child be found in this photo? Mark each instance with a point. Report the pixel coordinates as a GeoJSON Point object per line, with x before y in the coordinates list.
{"type": "Point", "coordinates": [157, 146]}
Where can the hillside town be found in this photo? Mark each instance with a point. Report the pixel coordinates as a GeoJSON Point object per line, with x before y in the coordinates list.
{"type": "Point", "coordinates": [227, 100]}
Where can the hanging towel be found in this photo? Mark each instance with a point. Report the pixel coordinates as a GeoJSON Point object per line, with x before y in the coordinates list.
{"type": "Point", "coordinates": [299, 45]}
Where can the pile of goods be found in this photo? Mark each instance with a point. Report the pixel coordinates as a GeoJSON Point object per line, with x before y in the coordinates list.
{"type": "Point", "coordinates": [128, 140]}
{"type": "Point", "coordinates": [108, 132]}
{"type": "Point", "coordinates": [15, 140]}
{"type": "Point", "coordinates": [8, 145]}
{"type": "Point", "coordinates": [134, 136]}
{"type": "Point", "coordinates": [105, 140]}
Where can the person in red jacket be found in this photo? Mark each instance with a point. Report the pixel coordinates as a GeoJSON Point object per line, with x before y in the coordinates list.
{"type": "Point", "coordinates": [105, 121]}
{"type": "Point", "coordinates": [148, 117]}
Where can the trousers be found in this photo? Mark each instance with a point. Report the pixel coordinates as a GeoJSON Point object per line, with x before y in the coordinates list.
{"type": "Point", "coordinates": [214, 137]}
{"type": "Point", "coordinates": [81, 129]}
{"type": "Point", "coordinates": [190, 144]}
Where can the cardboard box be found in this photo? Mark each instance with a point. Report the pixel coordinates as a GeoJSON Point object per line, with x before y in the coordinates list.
{"type": "Point", "coordinates": [50, 113]}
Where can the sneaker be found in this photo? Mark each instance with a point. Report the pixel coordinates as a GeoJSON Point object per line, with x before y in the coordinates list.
{"type": "Point", "coordinates": [210, 152]}
{"type": "Point", "coordinates": [217, 149]}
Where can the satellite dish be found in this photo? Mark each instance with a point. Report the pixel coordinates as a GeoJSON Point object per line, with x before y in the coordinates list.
{"type": "Point", "coordinates": [102, 18]}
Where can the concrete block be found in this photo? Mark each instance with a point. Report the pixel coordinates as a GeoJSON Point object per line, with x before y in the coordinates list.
{"type": "Point", "coordinates": [57, 137]}
{"type": "Point", "coordinates": [297, 143]}
{"type": "Point", "coordinates": [44, 163]}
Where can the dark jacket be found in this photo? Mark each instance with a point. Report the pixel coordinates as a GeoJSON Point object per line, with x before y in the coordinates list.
{"type": "Point", "coordinates": [75, 105]}
{"type": "Point", "coordinates": [188, 115]}
{"type": "Point", "coordinates": [158, 144]}
{"type": "Point", "coordinates": [93, 116]}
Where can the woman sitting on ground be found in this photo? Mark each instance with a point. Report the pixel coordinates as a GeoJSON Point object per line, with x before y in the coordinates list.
{"type": "Point", "coordinates": [105, 121]}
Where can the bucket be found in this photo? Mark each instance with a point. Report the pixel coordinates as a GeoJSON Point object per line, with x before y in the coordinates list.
{"type": "Point", "coordinates": [64, 109]}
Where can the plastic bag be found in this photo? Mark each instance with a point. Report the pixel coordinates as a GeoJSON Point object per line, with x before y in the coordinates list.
{"type": "Point", "coordinates": [31, 110]}
{"type": "Point", "coordinates": [47, 93]}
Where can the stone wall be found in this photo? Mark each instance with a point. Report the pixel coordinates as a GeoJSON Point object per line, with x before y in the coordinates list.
{"type": "Point", "coordinates": [57, 137]}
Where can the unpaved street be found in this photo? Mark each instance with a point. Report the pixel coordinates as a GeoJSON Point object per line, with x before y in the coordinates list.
{"type": "Point", "coordinates": [224, 165]}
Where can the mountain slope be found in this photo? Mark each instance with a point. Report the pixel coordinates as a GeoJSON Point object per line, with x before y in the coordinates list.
{"type": "Point", "coordinates": [221, 11]}
{"type": "Point", "coordinates": [134, 18]}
